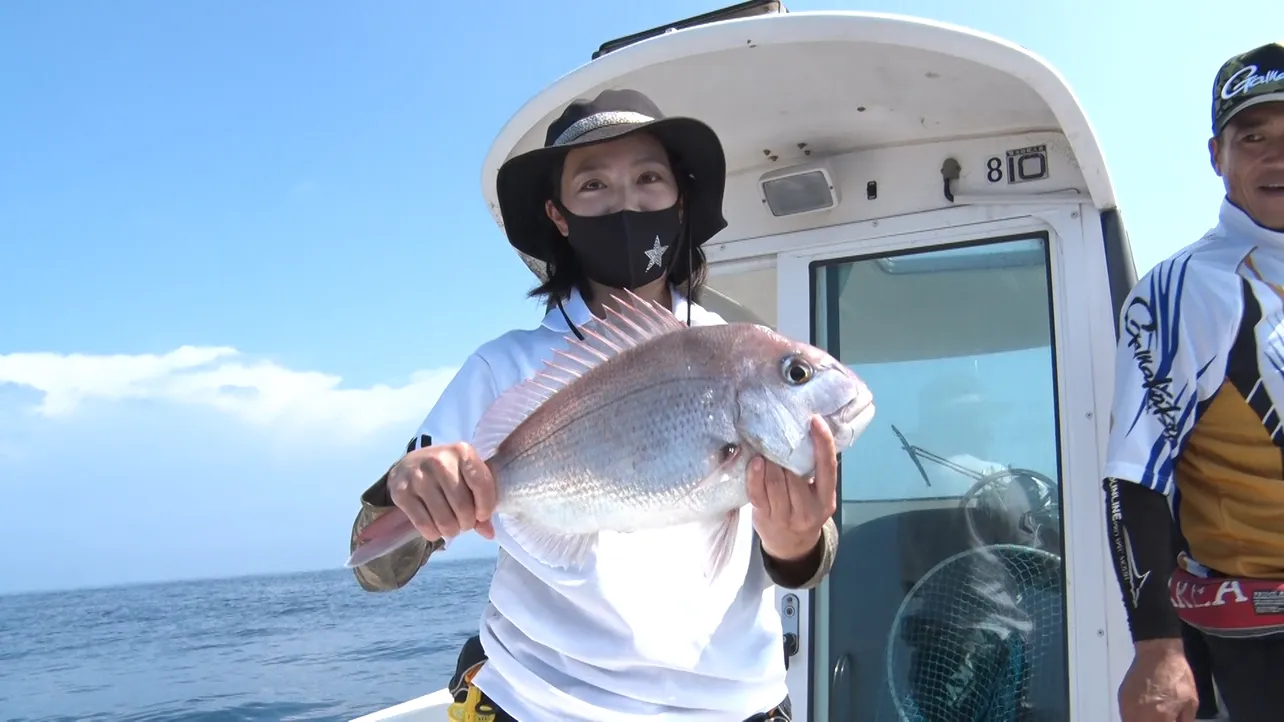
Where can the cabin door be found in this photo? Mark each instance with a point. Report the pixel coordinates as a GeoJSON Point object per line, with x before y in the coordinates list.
{"type": "Point", "coordinates": [948, 601]}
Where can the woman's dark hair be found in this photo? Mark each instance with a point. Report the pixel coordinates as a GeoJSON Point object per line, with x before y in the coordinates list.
{"type": "Point", "coordinates": [563, 268]}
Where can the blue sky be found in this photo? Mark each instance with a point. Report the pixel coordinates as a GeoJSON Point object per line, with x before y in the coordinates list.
{"type": "Point", "coordinates": [237, 241]}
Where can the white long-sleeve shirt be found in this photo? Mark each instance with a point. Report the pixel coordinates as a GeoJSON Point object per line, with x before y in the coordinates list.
{"type": "Point", "coordinates": [639, 634]}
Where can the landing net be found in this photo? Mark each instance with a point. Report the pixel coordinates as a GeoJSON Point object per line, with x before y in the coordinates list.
{"type": "Point", "coordinates": [977, 636]}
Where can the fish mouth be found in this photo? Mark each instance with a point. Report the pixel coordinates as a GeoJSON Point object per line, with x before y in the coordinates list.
{"type": "Point", "coordinates": [848, 412]}
{"type": "Point", "coordinates": [850, 420]}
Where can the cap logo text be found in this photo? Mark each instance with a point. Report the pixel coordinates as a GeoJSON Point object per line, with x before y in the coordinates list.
{"type": "Point", "coordinates": [1247, 78]}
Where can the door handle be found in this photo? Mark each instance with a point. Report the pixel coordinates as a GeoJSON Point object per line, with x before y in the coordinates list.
{"type": "Point", "coordinates": [789, 621]}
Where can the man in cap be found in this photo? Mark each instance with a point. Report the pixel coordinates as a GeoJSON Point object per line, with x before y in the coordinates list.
{"type": "Point", "coordinates": [1196, 452]}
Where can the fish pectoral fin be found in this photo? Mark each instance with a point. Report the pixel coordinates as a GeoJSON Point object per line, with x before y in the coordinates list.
{"type": "Point", "coordinates": [556, 549]}
{"type": "Point", "coordinates": [723, 460]}
{"type": "Point", "coordinates": [722, 543]}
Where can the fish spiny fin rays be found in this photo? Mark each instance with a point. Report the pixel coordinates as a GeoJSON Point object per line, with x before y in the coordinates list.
{"type": "Point", "coordinates": [632, 324]}
{"type": "Point", "coordinates": [556, 549]}
{"type": "Point", "coordinates": [508, 412]}
{"type": "Point", "coordinates": [636, 322]}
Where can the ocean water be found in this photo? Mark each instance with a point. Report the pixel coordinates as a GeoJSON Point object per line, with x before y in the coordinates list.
{"type": "Point", "coordinates": [311, 646]}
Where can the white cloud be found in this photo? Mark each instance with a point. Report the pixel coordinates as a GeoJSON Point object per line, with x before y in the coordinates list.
{"type": "Point", "coordinates": [258, 392]}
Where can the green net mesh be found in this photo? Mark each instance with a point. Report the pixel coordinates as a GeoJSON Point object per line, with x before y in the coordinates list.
{"type": "Point", "coordinates": [976, 635]}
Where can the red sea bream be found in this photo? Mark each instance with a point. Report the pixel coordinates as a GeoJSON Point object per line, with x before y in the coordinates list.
{"type": "Point", "coordinates": [648, 423]}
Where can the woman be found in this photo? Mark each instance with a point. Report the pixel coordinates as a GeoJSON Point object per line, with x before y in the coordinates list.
{"type": "Point", "coordinates": [619, 198]}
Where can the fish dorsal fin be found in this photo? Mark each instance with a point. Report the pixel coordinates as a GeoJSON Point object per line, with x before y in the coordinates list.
{"type": "Point", "coordinates": [634, 323]}
{"type": "Point", "coordinates": [508, 411]}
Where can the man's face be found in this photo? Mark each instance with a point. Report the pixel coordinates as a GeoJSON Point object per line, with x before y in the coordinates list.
{"type": "Point", "coordinates": [1249, 156]}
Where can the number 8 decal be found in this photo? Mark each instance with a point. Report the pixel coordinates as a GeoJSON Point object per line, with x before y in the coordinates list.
{"type": "Point", "coordinates": [994, 167]}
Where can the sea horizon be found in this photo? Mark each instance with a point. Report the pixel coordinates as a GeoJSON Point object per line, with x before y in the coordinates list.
{"type": "Point", "coordinates": [438, 558]}
{"type": "Point", "coordinates": [301, 645]}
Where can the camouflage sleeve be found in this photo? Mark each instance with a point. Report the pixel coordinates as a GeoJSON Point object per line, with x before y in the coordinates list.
{"type": "Point", "coordinates": [394, 570]}
{"type": "Point", "coordinates": [807, 572]}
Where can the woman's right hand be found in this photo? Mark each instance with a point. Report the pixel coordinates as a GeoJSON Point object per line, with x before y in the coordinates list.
{"type": "Point", "coordinates": [444, 490]}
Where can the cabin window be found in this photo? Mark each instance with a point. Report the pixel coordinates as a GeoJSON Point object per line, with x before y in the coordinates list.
{"type": "Point", "coordinates": [947, 599]}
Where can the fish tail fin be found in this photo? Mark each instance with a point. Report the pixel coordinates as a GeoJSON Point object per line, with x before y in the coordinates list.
{"type": "Point", "coordinates": [383, 536]}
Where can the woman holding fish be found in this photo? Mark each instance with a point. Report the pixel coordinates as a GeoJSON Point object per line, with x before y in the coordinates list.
{"type": "Point", "coordinates": [611, 450]}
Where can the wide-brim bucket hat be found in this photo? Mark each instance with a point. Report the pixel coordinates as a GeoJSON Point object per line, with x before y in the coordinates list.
{"type": "Point", "coordinates": [524, 182]}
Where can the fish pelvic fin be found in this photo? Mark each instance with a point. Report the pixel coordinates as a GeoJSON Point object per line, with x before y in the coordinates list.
{"type": "Point", "coordinates": [391, 531]}
{"type": "Point", "coordinates": [555, 549]}
{"type": "Point", "coordinates": [634, 323]}
{"type": "Point", "coordinates": [722, 543]}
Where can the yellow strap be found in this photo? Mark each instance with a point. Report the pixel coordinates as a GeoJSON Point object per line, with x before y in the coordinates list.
{"type": "Point", "coordinates": [471, 709]}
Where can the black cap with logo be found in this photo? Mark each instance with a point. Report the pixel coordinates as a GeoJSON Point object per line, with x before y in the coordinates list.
{"type": "Point", "coordinates": [1248, 79]}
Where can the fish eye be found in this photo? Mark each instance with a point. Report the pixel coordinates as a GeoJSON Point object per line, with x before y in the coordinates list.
{"type": "Point", "coordinates": [796, 370]}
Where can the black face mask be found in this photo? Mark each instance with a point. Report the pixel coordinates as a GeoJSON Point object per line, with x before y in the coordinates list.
{"type": "Point", "coordinates": [626, 249]}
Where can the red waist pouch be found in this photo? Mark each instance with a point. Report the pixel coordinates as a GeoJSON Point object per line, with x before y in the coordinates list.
{"type": "Point", "coordinates": [1228, 607]}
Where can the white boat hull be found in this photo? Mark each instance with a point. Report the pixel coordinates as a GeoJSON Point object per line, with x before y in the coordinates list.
{"type": "Point", "coordinates": [428, 707]}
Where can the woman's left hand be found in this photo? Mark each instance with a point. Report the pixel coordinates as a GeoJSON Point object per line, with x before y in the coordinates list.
{"type": "Point", "coordinates": [789, 510]}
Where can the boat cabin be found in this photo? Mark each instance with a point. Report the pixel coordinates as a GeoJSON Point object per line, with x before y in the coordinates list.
{"type": "Point", "coordinates": [929, 204]}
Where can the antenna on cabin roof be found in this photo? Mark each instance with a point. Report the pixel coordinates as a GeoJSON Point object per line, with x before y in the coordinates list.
{"type": "Point", "coordinates": [739, 10]}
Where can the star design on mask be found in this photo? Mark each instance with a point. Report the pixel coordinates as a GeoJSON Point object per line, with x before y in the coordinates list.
{"type": "Point", "coordinates": [655, 256]}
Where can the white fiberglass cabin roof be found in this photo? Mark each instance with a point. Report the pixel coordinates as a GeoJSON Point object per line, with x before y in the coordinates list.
{"type": "Point", "coordinates": [881, 99]}
{"type": "Point", "coordinates": [837, 82]}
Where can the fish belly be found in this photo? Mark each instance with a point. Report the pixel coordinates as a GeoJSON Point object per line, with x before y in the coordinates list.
{"type": "Point", "coordinates": [641, 457]}
{"type": "Point", "coordinates": [643, 441]}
